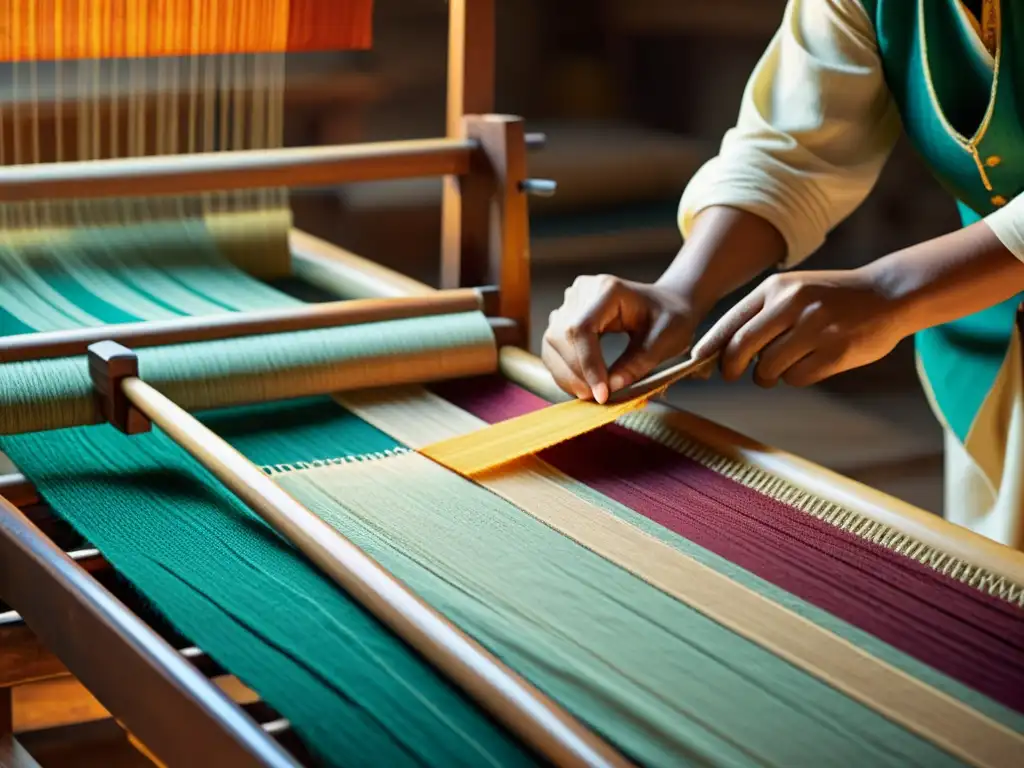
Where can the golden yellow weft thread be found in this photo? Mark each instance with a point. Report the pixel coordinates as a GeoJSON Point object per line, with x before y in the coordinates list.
{"type": "Point", "coordinates": [530, 433]}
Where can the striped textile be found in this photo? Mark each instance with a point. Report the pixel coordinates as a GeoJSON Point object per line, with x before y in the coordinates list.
{"type": "Point", "coordinates": [662, 681]}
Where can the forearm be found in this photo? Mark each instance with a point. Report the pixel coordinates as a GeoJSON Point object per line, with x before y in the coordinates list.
{"type": "Point", "coordinates": [949, 277]}
{"type": "Point", "coordinates": [726, 249]}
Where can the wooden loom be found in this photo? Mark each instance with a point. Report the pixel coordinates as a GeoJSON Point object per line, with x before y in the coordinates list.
{"type": "Point", "coordinates": [71, 620]}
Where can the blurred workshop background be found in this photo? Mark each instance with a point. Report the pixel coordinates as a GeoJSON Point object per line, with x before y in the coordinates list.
{"type": "Point", "coordinates": [633, 95]}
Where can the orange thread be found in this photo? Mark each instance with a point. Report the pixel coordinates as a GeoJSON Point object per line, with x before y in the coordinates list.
{"type": "Point", "coordinates": [101, 29]}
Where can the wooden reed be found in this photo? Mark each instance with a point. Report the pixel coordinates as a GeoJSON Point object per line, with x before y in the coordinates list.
{"type": "Point", "coordinates": [47, 30]}
{"type": "Point", "coordinates": [511, 700]}
{"type": "Point", "coordinates": [75, 341]}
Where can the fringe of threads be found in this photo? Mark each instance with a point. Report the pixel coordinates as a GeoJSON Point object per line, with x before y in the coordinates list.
{"type": "Point", "coordinates": [834, 514]}
{"type": "Point", "coordinates": [298, 466]}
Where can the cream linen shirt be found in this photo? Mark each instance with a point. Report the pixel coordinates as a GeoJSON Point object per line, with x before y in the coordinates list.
{"type": "Point", "coordinates": [816, 126]}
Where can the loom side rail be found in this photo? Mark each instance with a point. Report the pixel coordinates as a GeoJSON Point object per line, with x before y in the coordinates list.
{"type": "Point", "coordinates": [128, 667]}
{"type": "Point", "coordinates": [528, 371]}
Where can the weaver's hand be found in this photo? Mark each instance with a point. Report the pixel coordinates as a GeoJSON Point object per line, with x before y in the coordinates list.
{"type": "Point", "coordinates": [803, 327]}
{"type": "Point", "coordinates": [659, 322]}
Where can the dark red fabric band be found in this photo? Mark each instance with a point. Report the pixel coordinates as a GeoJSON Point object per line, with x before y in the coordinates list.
{"type": "Point", "coordinates": [973, 637]}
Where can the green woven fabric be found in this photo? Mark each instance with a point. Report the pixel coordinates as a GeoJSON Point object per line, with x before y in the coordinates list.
{"type": "Point", "coordinates": [355, 693]}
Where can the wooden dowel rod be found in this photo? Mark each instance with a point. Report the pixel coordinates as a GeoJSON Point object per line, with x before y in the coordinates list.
{"type": "Point", "coordinates": [244, 169]}
{"type": "Point", "coordinates": [511, 700]}
{"type": "Point", "coordinates": [75, 341]}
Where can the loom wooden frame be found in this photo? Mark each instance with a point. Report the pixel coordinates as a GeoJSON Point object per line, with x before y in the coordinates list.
{"type": "Point", "coordinates": [484, 243]}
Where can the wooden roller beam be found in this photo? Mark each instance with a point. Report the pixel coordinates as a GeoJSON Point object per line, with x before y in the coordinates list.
{"type": "Point", "coordinates": [528, 713]}
{"type": "Point", "coordinates": [75, 341]}
{"type": "Point", "coordinates": [242, 169]}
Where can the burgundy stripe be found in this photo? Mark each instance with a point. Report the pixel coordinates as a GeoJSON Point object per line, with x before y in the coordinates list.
{"type": "Point", "coordinates": [973, 637]}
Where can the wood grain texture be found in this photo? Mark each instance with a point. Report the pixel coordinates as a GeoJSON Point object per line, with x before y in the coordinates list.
{"type": "Point", "coordinates": [130, 670]}
{"type": "Point", "coordinates": [23, 658]}
{"type": "Point", "coordinates": [48, 30]}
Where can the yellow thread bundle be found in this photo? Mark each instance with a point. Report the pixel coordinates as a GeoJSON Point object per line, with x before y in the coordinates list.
{"type": "Point", "coordinates": [530, 433]}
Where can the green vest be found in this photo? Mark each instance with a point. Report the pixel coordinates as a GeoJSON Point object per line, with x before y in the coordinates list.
{"type": "Point", "coordinates": [968, 127]}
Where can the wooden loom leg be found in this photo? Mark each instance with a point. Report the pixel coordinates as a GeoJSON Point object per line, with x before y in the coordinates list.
{"type": "Point", "coordinates": [471, 61]}
{"type": "Point", "coordinates": [471, 33]}
{"type": "Point", "coordinates": [493, 236]}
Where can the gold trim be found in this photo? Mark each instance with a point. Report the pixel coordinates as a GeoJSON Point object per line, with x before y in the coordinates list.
{"type": "Point", "coordinates": [968, 144]}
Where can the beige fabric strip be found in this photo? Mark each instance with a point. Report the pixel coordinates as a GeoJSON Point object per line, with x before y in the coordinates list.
{"type": "Point", "coordinates": [418, 418]}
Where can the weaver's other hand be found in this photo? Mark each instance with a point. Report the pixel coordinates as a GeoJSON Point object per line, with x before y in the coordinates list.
{"type": "Point", "coordinates": [803, 327]}
{"type": "Point", "coordinates": [659, 323]}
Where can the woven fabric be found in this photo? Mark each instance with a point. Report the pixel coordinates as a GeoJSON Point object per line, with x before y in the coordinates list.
{"type": "Point", "coordinates": [171, 270]}
{"type": "Point", "coordinates": [661, 681]}
{"type": "Point", "coordinates": [973, 637]}
{"type": "Point", "coordinates": [664, 682]}
{"type": "Point", "coordinates": [355, 693]}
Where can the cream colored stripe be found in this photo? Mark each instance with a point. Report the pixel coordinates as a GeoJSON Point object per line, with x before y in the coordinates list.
{"type": "Point", "coordinates": [417, 418]}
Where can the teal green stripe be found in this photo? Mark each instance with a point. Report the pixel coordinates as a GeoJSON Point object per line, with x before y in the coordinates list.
{"type": "Point", "coordinates": [66, 284]}
{"type": "Point", "coordinates": [356, 694]}
{"type": "Point", "coordinates": [10, 325]}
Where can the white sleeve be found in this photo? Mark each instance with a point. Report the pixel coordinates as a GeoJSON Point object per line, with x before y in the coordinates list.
{"type": "Point", "coordinates": [1008, 224]}
{"type": "Point", "coordinates": [816, 126]}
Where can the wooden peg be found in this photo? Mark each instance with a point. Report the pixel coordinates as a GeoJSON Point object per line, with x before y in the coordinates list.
{"type": "Point", "coordinates": [109, 365]}
{"type": "Point", "coordinates": [507, 332]}
{"type": "Point", "coordinates": [538, 187]}
{"type": "Point", "coordinates": [490, 299]}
